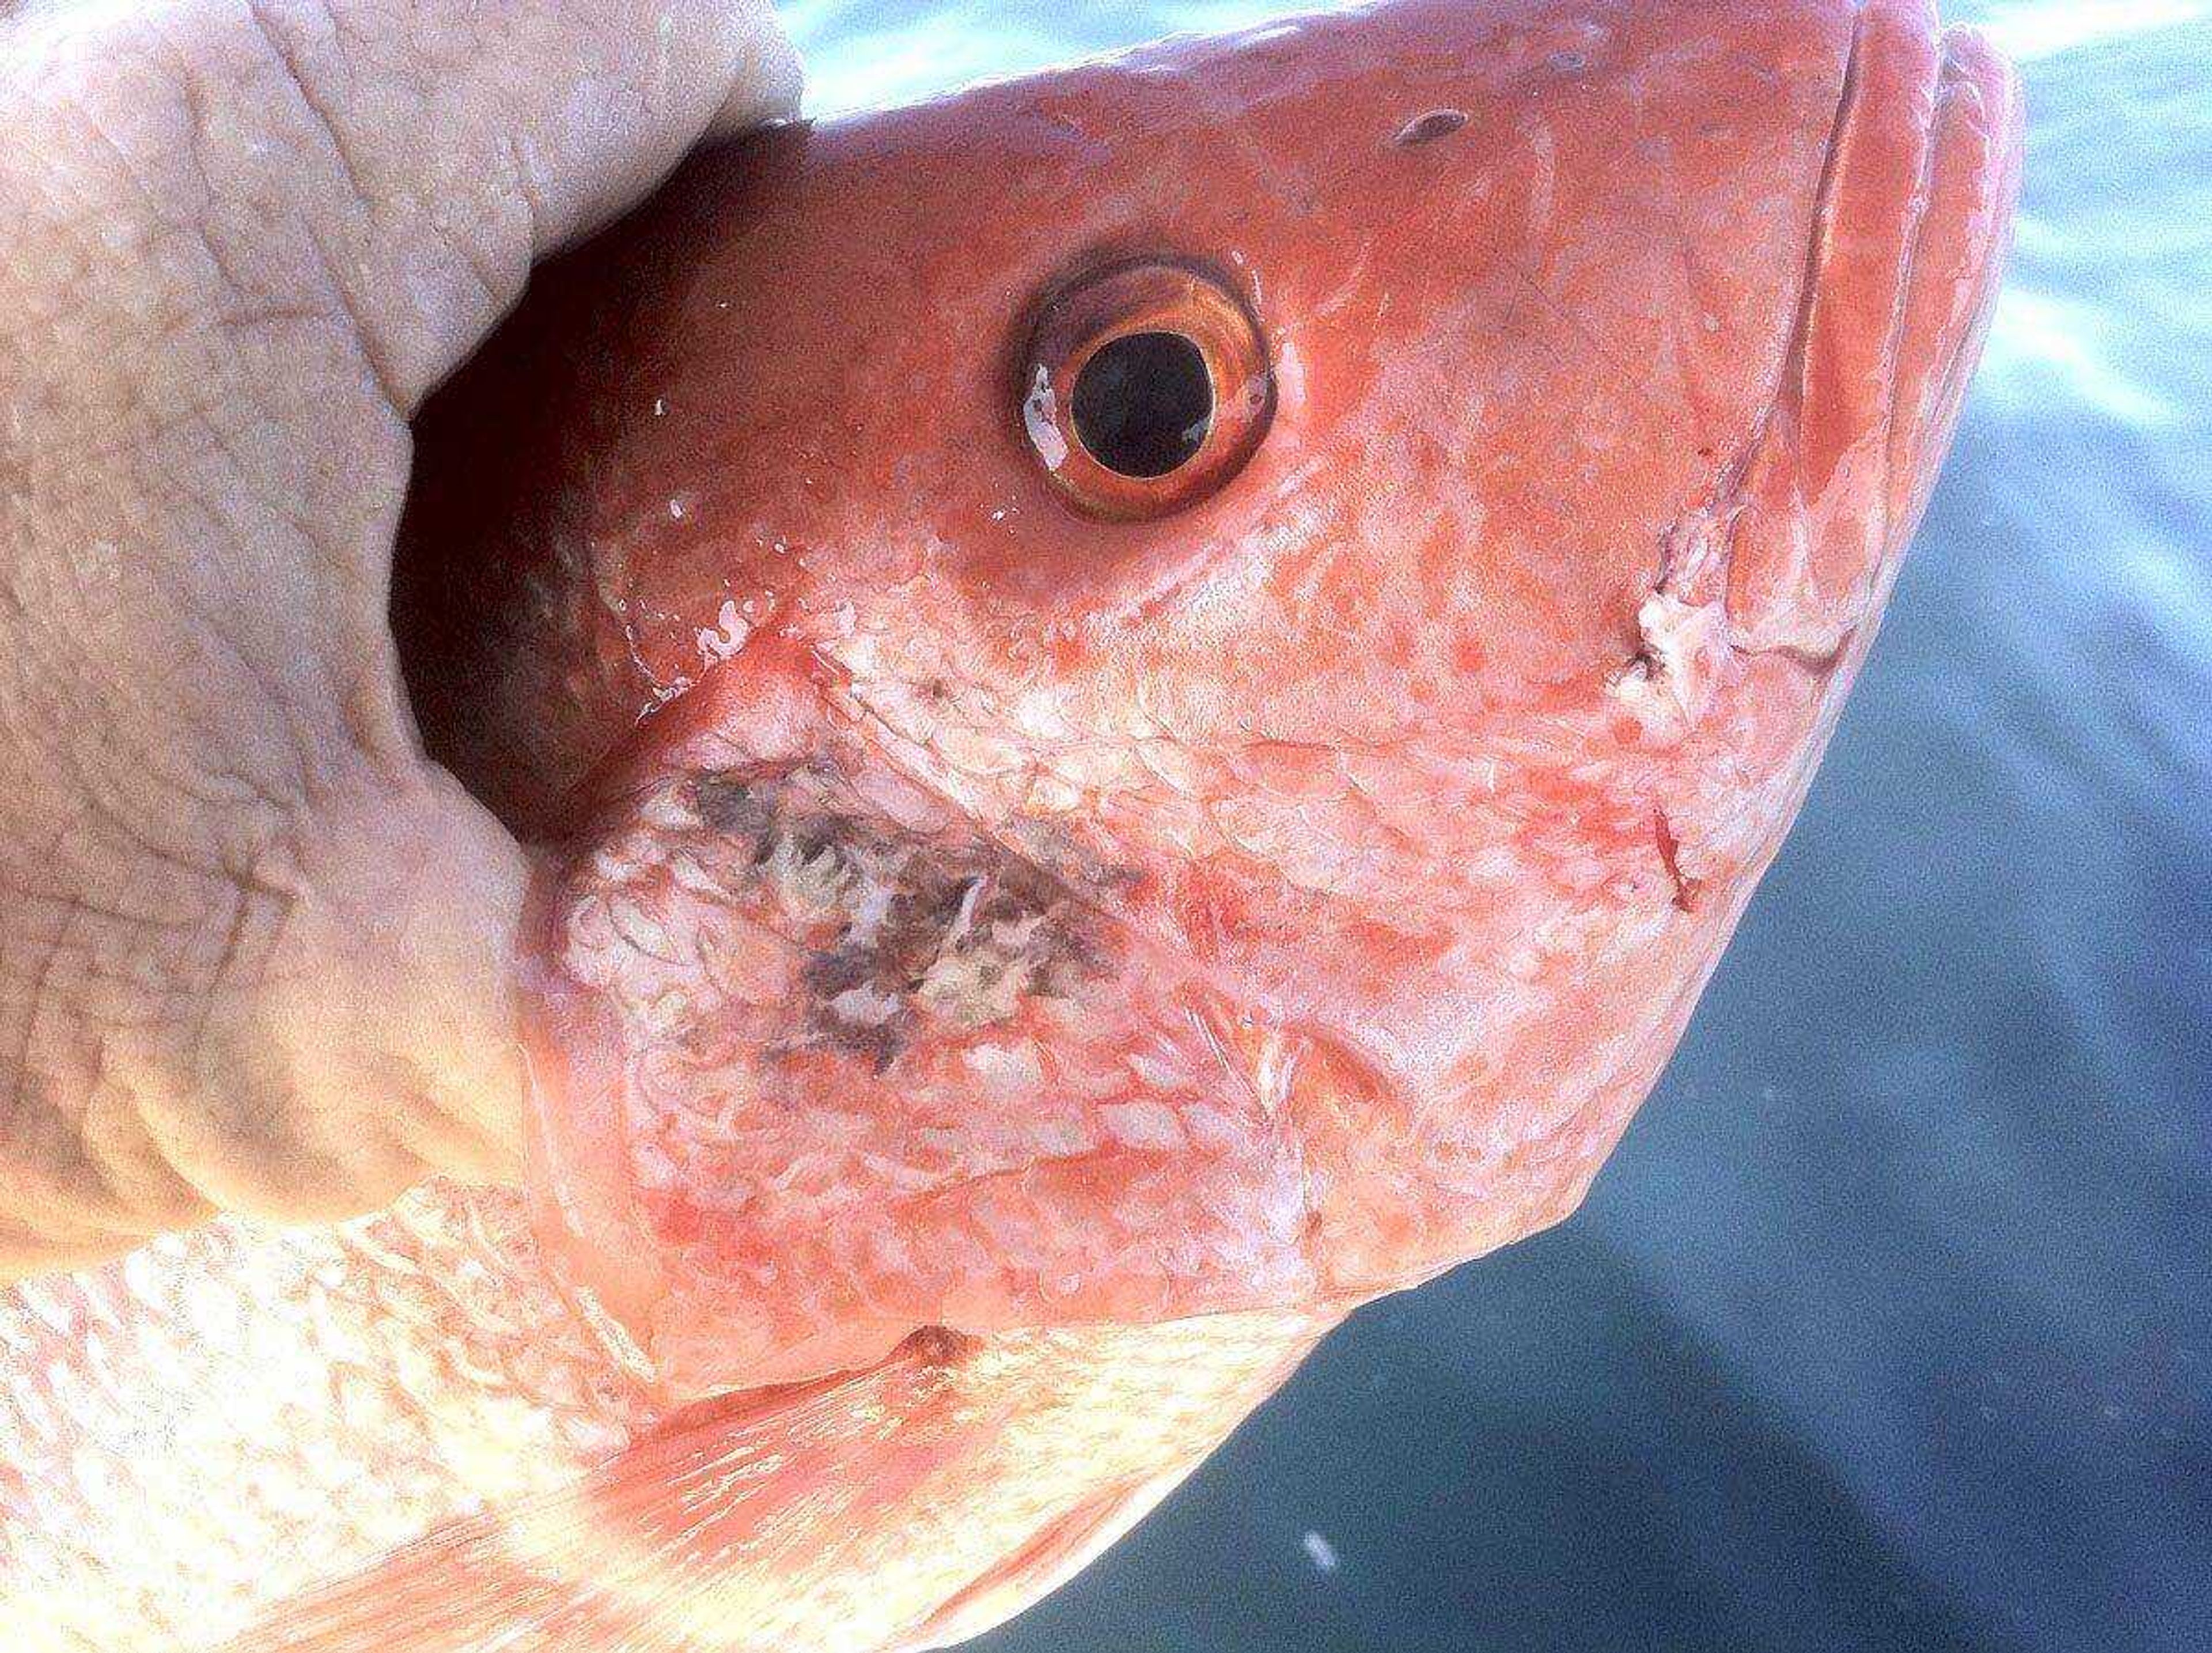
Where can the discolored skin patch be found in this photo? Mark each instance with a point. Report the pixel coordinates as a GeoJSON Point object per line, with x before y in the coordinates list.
{"type": "Point", "coordinates": [877, 1065]}
{"type": "Point", "coordinates": [903, 935]}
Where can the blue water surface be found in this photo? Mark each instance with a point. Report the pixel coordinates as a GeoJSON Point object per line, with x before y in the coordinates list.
{"type": "Point", "coordinates": [1889, 1325]}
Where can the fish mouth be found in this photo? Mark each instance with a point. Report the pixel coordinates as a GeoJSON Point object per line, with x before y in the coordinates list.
{"type": "Point", "coordinates": [1953, 261]}
{"type": "Point", "coordinates": [1908, 244]}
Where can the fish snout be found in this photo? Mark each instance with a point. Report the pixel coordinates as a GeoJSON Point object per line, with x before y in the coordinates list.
{"type": "Point", "coordinates": [1908, 246]}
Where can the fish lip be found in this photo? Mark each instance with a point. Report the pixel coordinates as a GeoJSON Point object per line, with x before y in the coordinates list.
{"type": "Point", "coordinates": [1953, 248]}
{"type": "Point", "coordinates": [1909, 231]}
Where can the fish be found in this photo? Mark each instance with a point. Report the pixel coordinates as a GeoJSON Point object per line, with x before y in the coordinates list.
{"type": "Point", "coordinates": [1144, 697]}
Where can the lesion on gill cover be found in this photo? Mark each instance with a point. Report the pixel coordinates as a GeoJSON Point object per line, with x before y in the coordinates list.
{"type": "Point", "coordinates": [904, 932]}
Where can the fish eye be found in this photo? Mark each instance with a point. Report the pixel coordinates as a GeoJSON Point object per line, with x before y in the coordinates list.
{"type": "Point", "coordinates": [1144, 403]}
{"type": "Point", "coordinates": [1145, 389]}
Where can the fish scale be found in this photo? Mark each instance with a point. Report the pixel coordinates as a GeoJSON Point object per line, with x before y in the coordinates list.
{"type": "Point", "coordinates": [323, 1463]}
{"type": "Point", "coordinates": [271, 1407]}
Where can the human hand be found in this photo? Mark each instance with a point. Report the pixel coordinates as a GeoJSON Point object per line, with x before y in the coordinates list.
{"type": "Point", "coordinates": [254, 947]}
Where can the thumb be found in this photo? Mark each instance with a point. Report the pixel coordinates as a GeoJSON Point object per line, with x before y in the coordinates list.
{"type": "Point", "coordinates": [473, 141]}
{"type": "Point", "coordinates": [469, 141]}
{"type": "Point", "coordinates": [269, 947]}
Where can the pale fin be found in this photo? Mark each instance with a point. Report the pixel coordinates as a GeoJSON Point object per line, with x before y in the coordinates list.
{"type": "Point", "coordinates": [914, 1503]}
{"type": "Point", "coordinates": [1060, 1551]}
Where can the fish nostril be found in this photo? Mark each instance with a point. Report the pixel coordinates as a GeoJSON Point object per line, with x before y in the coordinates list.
{"type": "Point", "coordinates": [1428, 128]}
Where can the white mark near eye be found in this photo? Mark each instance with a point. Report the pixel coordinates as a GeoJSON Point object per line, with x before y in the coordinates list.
{"type": "Point", "coordinates": [1290, 371]}
{"type": "Point", "coordinates": [1041, 417]}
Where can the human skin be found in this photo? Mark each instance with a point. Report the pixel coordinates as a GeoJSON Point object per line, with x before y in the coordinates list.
{"type": "Point", "coordinates": [245, 239]}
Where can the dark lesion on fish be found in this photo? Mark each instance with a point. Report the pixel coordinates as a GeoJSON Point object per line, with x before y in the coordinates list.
{"type": "Point", "coordinates": [731, 803]}
{"type": "Point", "coordinates": [907, 933]}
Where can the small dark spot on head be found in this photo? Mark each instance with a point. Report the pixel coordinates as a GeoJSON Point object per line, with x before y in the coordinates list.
{"type": "Point", "coordinates": [1427, 129]}
{"type": "Point", "coordinates": [828, 974]}
{"type": "Point", "coordinates": [733, 804]}
{"type": "Point", "coordinates": [823, 834]}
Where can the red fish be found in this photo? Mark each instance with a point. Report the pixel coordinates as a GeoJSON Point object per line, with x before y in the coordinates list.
{"type": "Point", "coordinates": [1148, 694]}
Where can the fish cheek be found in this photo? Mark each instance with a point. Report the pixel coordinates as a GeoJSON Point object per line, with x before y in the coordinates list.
{"type": "Point", "coordinates": [823, 1063]}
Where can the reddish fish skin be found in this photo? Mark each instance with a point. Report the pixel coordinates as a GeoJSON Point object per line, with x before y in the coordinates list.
{"type": "Point", "coordinates": [1391, 803]}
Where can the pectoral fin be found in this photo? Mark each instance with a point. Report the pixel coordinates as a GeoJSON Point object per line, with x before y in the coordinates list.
{"type": "Point", "coordinates": [913, 1504]}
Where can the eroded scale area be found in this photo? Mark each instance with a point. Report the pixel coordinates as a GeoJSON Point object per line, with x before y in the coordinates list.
{"type": "Point", "coordinates": [866, 1069]}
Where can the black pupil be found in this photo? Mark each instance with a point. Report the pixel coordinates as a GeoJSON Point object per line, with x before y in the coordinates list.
{"type": "Point", "coordinates": [1144, 402]}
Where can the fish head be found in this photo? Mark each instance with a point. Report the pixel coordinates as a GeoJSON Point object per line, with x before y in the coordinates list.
{"type": "Point", "coordinates": [1152, 691]}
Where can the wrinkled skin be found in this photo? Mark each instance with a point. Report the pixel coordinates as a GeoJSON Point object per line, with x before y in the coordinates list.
{"type": "Point", "coordinates": [1028, 974]}
{"type": "Point", "coordinates": [243, 241]}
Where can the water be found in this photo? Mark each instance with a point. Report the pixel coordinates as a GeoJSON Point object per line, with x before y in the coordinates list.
{"type": "Point", "coordinates": [1889, 1325]}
